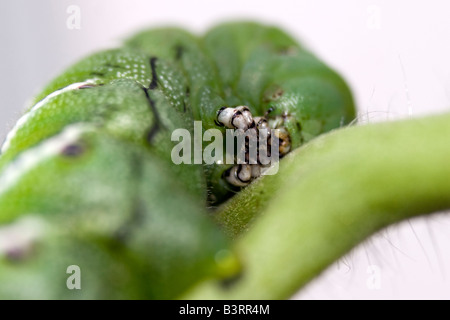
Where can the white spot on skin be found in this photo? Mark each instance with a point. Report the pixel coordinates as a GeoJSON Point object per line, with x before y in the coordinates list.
{"type": "Point", "coordinates": [29, 159]}
{"type": "Point", "coordinates": [23, 120]}
{"type": "Point", "coordinates": [18, 238]}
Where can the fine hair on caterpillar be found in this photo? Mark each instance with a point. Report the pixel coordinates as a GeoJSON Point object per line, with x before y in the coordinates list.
{"type": "Point", "coordinates": [400, 261]}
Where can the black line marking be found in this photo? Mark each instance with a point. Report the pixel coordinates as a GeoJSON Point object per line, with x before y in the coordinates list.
{"type": "Point", "coordinates": [179, 50]}
{"type": "Point", "coordinates": [154, 82]}
{"type": "Point", "coordinates": [187, 94]}
{"type": "Point", "coordinates": [261, 121]}
{"type": "Point", "coordinates": [156, 126]}
{"type": "Point", "coordinates": [226, 174]}
{"type": "Point", "coordinates": [220, 111]}
{"type": "Point", "coordinates": [89, 86]}
{"type": "Point", "coordinates": [98, 74]}
{"type": "Point", "coordinates": [228, 283]}
{"type": "Point", "coordinates": [110, 65]}
{"type": "Point", "coordinates": [218, 123]}
{"type": "Point", "coordinates": [73, 150]}
{"type": "Point", "coordinates": [287, 50]}
{"type": "Point", "coordinates": [233, 117]}
{"type": "Point", "coordinates": [269, 111]}
{"type": "Point", "coordinates": [238, 171]}
{"type": "Point", "coordinates": [152, 132]}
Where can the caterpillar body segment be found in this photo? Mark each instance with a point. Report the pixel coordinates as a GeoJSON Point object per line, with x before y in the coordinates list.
{"type": "Point", "coordinates": [91, 158]}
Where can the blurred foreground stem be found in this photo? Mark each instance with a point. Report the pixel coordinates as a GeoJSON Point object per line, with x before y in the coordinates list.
{"type": "Point", "coordinates": [328, 196]}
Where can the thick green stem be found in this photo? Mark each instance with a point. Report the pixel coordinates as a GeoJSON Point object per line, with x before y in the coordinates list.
{"type": "Point", "coordinates": [329, 196]}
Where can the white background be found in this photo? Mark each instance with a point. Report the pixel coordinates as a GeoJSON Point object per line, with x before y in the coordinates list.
{"type": "Point", "coordinates": [394, 54]}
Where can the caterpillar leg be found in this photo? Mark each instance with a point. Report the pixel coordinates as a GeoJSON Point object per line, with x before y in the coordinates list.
{"type": "Point", "coordinates": [284, 141]}
{"type": "Point", "coordinates": [239, 175]}
{"type": "Point", "coordinates": [241, 118]}
{"type": "Point", "coordinates": [236, 118]}
{"type": "Point", "coordinates": [261, 123]}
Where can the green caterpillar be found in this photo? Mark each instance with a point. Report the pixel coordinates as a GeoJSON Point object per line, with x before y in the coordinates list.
{"type": "Point", "coordinates": [257, 66]}
{"type": "Point", "coordinates": [89, 164]}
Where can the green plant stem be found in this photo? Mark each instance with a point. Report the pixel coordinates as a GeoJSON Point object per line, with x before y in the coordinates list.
{"type": "Point", "coordinates": [329, 196]}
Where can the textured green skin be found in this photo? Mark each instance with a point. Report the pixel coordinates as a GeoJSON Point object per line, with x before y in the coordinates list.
{"type": "Point", "coordinates": [135, 222]}
{"type": "Point", "coordinates": [242, 64]}
{"type": "Point", "coordinates": [125, 207]}
{"type": "Point", "coordinates": [264, 60]}
{"type": "Point", "coordinates": [105, 185]}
